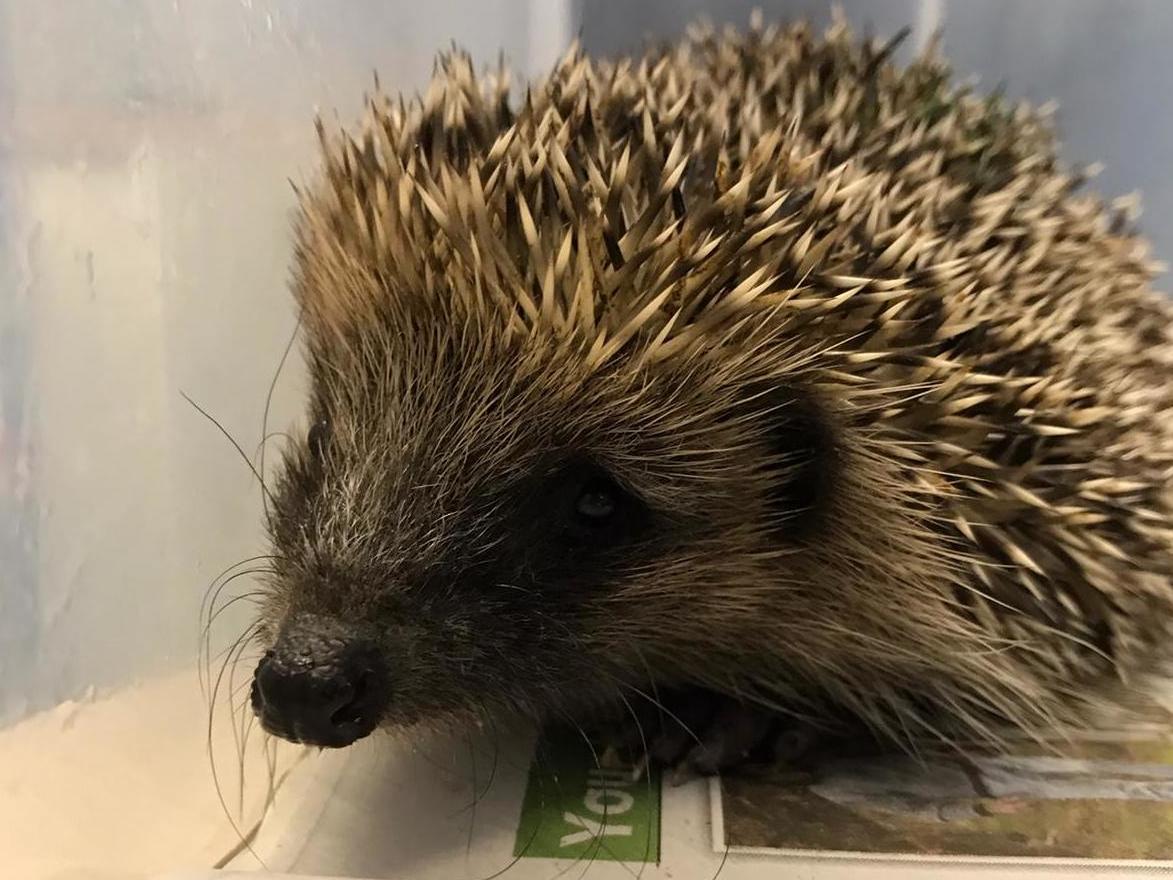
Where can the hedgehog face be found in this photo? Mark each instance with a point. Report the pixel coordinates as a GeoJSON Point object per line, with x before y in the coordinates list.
{"type": "Point", "coordinates": [753, 363]}
{"type": "Point", "coordinates": [490, 526]}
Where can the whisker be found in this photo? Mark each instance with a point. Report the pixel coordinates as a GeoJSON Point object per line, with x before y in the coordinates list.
{"type": "Point", "coordinates": [721, 867]}
{"type": "Point", "coordinates": [658, 704]}
{"type": "Point", "coordinates": [240, 730]}
{"type": "Point", "coordinates": [244, 457]}
{"type": "Point", "coordinates": [241, 720]}
{"type": "Point", "coordinates": [478, 794]}
{"type": "Point", "coordinates": [472, 819]}
{"type": "Point", "coordinates": [246, 840]}
{"type": "Point", "coordinates": [596, 839]}
{"type": "Point", "coordinates": [651, 683]}
{"type": "Point", "coordinates": [244, 843]}
{"type": "Point", "coordinates": [598, 843]}
{"type": "Point", "coordinates": [204, 604]}
{"type": "Point", "coordinates": [239, 597]}
{"type": "Point", "coordinates": [265, 498]}
{"type": "Point", "coordinates": [496, 756]}
{"type": "Point", "coordinates": [647, 779]}
{"type": "Point", "coordinates": [206, 617]}
{"type": "Point", "coordinates": [231, 665]}
{"type": "Point", "coordinates": [272, 435]}
{"type": "Point", "coordinates": [205, 648]}
{"type": "Point", "coordinates": [538, 756]}
{"type": "Point", "coordinates": [219, 655]}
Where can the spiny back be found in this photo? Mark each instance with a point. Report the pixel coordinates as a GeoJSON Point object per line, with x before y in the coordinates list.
{"type": "Point", "coordinates": [918, 247]}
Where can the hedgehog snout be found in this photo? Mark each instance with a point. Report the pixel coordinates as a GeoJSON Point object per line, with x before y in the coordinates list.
{"type": "Point", "coordinates": [322, 683]}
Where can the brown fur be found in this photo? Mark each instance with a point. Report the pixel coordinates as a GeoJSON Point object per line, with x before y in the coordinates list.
{"type": "Point", "coordinates": [613, 268]}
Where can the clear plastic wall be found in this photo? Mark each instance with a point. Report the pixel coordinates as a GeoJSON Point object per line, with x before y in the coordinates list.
{"type": "Point", "coordinates": [146, 150]}
{"type": "Point", "coordinates": [144, 154]}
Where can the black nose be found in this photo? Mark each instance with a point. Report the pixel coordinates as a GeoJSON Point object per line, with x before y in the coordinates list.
{"type": "Point", "coordinates": [320, 688]}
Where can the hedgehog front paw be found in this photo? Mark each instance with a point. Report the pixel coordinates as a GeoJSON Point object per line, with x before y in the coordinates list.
{"type": "Point", "coordinates": [699, 732]}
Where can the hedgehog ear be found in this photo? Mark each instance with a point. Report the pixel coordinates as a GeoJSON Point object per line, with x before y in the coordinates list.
{"type": "Point", "coordinates": [801, 456]}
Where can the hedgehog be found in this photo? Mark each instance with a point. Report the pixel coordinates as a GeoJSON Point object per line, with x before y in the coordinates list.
{"type": "Point", "coordinates": [755, 378]}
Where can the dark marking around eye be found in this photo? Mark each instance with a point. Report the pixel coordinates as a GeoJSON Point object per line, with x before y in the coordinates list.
{"type": "Point", "coordinates": [573, 522]}
{"type": "Point", "coordinates": [589, 510]}
{"type": "Point", "coordinates": [561, 533]}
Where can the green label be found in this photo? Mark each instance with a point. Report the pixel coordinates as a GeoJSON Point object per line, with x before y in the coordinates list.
{"type": "Point", "coordinates": [575, 809]}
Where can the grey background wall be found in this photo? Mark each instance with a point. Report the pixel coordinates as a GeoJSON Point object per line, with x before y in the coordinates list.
{"type": "Point", "coordinates": [145, 154]}
{"type": "Point", "coordinates": [1107, 63]}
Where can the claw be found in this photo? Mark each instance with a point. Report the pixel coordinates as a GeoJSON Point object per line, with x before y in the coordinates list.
{"type": "Point", "coordinates": [700, 733]}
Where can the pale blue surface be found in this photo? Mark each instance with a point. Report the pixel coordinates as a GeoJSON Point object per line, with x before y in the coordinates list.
{"type": "Point", "coordinates": [145, 156]}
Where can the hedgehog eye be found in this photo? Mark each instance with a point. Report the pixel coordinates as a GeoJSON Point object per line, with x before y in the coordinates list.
{"type": "Point", "coordinates": [319, 433]}
{"type": "Point", "coordinates": [582, 513]}
{"type": "Point", "coordinates": [596, 503]}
